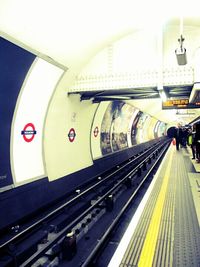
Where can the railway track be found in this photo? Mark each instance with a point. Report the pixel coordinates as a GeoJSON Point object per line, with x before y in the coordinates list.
{"type": "Point", "coordinates": [89, 214]}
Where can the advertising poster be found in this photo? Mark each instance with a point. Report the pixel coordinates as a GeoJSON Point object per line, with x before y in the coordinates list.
{"type": "Point", "coordinates": [140, 131]}
{"type": "Point", "coordinates": [156, 129]}
{"type": "Point", "coordinates": [115, 127]}
{"type": "Point", "coordinates": [161, 129]}
{"type": "Point", "coordinates": [152, 124]}
{"type": "Point", "coordinates": [105, 131]}
{"type": "Point", "coordinates": [134, 128]}
{"type": "Point", "coordinates": [120, 126]}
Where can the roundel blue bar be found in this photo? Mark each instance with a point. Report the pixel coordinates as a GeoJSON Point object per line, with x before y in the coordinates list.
{"type": "Point", "coordinates": [71, 135]}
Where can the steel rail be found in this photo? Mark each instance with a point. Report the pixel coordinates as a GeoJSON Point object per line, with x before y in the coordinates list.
{"type": "Point", "coordinates": [68, 228]}
{"type": "Point", "coordinates": [71, 201]}
{"type": "Point", "coordinates": [109, 231]}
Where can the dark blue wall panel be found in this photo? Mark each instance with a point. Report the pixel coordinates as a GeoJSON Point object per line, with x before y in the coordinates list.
{"type": "Point", "coordinates": [14, 65]}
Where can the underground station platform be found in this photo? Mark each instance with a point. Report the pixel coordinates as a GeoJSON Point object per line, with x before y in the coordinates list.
{"type": "Point", "coordinates": [164, 230]}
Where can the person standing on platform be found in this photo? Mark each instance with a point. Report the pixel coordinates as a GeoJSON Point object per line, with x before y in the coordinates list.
{"type": "Point", "coordinates": [191, 141]}
{"type": "Point", "coordinates": [197, 142]}
{"type": "Point", "coordinates": [184, 137]}
{"type": "Point", "coordinates": [178, 136]}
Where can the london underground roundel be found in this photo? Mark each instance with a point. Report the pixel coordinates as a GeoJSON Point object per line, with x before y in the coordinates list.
{"type": "Point", "coordinates": [96, 131]}
{"type": "Point", "coordinates": [71, 135]}
{"type": "Point", "coordinates": [29, 132]}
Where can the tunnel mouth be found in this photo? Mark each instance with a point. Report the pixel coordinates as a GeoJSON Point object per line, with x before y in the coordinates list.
{"type": "Point", "coordinates": [171, 132]}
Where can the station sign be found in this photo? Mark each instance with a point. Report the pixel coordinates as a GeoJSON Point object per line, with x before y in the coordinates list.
{"type": "Point", "coordinates": [28, 132]}
{"type": "Point", "coordinates": [179, 104]}
{"type": "Point", "coordinates": [96, 131]}
{"type": "Point", "coordinates": [71, 135]}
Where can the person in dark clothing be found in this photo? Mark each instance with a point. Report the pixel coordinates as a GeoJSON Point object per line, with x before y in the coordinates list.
{"type": "Point", "coordinates": [191, 141]}
{"type": "Point", "coordinates": [178, 136]}
{"type": "Point", "coordinates": [184, 135]}
{"type": "Point", "coordinates": [197, 142]}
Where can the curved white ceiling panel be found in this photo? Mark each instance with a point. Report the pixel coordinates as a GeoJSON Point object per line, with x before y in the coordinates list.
{"type": "Point", "coordinates": [71, 33]}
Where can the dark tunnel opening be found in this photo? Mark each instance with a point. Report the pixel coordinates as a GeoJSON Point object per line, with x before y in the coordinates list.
{"type": "Point", "coordinates": [171, 132]}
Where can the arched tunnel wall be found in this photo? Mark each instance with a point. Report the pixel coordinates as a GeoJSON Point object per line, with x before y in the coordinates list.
{"type": "Point", "coordinates": [14, 65]}
{"type": "Point", "coordinates": [171, 132]}
{"type": "Point", "coordinates": [36, 140]}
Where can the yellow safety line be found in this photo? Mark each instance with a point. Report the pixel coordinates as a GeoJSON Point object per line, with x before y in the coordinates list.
{"type": "Point", "coordinates": [148, 250]}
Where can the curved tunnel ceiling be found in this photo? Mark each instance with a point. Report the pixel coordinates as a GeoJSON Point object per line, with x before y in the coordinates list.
{"type": "Point", "coordinates": [72, 32]}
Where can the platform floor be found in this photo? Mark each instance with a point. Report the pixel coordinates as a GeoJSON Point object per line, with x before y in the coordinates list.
{"type": "Point", "coordinates": [164, 230]}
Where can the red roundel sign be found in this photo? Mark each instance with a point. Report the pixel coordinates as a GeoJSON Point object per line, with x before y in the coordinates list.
{"type": "Point", "coordinates": [96, 131]}
{"type": "Point", "coordinates": [71, 135]}
{"type": "Point", "coordinates": [28, 132]}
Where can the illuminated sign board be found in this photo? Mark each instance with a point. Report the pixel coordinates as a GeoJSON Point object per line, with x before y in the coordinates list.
{"type": "Point", "coordinates": [179, 104]}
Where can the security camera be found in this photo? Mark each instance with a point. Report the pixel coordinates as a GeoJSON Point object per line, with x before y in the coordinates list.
{"type": "Point", "coordinates": [181, 56]}
{"type": "Point", "coordinates": [181, 52]}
